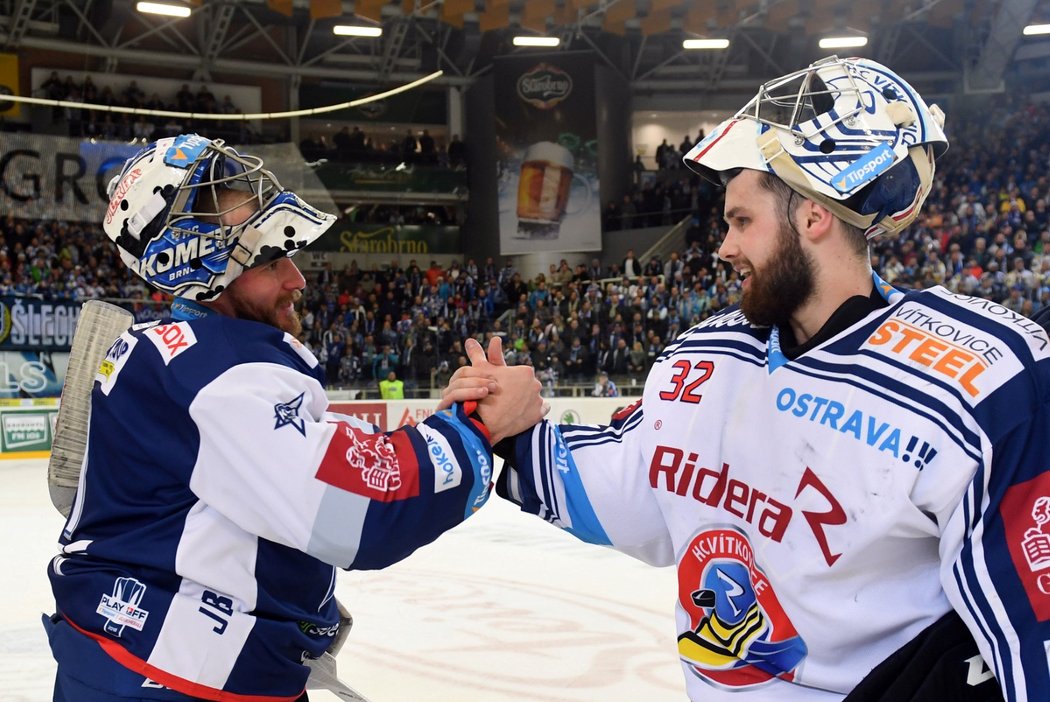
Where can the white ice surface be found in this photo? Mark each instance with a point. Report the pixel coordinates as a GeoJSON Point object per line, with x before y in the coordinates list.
{"type": "Point", "coordinates": [503, 608]}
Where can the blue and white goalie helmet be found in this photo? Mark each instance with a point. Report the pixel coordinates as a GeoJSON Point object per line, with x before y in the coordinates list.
{"type": "Point", "coordinates": [162, 216]}
{"type": "Point", "coordinates": [847, 133]}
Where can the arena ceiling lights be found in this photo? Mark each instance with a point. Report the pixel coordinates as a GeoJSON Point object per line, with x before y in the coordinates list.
{"type": "Point", "coordinates": [527, 40]}
{"type": "Point", "coordinates": [357, 30]}
{"type": "Point", "coordinates": [705, 44]}
{"type": "Point", "coordinates": [843, 42]}
{"type": "Point", "coordinates": [168, 9]}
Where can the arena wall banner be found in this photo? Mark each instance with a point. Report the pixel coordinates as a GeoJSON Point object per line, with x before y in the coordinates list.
{"type": "Point", "coordinates": [27, 427]}
{"type": "Point", "coordinates": [409, 240]}
{"type": "Point", "coordinates": [9, 86]}
{"type": "Point", "coordinates": [31, 324]}
{"type": "Point", "coordinates": [32, 374]}
{"type": "Point", "coordinates": [49, 177]}
{"type": "Point", "coordinates": [547, 162]}
{"type": "Point", "coordinates": [392, 414]}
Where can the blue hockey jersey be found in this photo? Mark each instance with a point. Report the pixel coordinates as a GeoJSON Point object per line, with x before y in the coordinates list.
{"type": "Point", "coordinates": [218, 496]}
{"type": "Point", "coordinates": [824, 510]}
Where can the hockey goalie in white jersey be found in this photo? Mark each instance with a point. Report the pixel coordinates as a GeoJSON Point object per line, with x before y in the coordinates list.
{"type": "Point", "coordinates": [851, 479]}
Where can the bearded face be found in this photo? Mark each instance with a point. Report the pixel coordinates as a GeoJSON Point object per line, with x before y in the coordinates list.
{"type": "Point", "coordinates": [260, 295]}
{"type": "Point", "coordinates": [778, 288]}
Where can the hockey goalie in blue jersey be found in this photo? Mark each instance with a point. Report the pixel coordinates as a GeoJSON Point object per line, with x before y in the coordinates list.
{"type": "Point", "coordinates": [218, 496]}
{"type": "Point", "coordinates": [850, 479]}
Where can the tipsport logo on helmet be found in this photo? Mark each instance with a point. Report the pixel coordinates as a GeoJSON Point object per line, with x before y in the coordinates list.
{"type": "Point", "coordinates": [185, 150]}
{"type": "Point", "coordinates": [740, 635]}
{"type": "Point", "coordinates": [865, 170]}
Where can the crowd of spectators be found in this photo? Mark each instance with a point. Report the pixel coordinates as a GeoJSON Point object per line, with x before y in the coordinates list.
{"type": "Point", "coordinates": [62, 261]}
{"type": "Point", "coordinates": [661, 197]}
{"type": "Point", "coordinates": [430, 214]}
{"type": "Point", "coordinates": [985, 232]}
{"type": "Point", "coordinates": [102, 124]}
{"type": "Point", "coordinates": [352, 145]}
{"type": "Point", "coordinates": [413, 320]}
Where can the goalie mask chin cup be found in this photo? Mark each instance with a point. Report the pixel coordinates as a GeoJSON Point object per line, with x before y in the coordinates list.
{"type": "Point", "coordinates": [161, 216]}
{"type": "Point", "coordinates": [847, 133]}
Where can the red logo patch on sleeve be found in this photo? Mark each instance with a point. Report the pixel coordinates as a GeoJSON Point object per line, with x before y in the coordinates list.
{"type": "Point", "coordinates": [625, 412]}
{"type": "Point", "coordinates": [1025, 510]}
{"type": "Point", "coordinates": [378, 466]}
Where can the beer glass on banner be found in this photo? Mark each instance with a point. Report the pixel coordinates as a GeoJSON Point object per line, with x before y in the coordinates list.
{"type": "Point", "coordinates": [544, 190]}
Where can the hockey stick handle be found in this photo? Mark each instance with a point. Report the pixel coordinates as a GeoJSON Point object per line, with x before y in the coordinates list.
{"type": "Point", "coordinates": [100, 323]}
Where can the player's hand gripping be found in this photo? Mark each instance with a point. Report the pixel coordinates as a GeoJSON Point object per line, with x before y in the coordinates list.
{"type": "Point", "coordinates": [513, 406]}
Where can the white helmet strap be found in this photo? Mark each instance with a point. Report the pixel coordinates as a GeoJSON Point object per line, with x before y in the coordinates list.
{"type": "Point", "coordinates": [785, 168]}
{"type": "Point", "coordinates": [247, 244]}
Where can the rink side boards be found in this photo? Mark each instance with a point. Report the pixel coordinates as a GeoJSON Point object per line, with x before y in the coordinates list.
{"type": "Point", "coordinates": [27, 425]}
{"type": "Point", "coordinates": [391, 414]}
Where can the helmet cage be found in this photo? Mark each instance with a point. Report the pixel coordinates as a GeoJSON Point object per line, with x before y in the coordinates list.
{"type": "Point", "coordinates": [848, 133]}
{"type": "Point", "coordinates": [177, 238]}
{"type": "Point", "coordinates": [814, 108]}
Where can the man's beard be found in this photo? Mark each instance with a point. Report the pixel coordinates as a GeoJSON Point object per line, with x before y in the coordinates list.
{"type": "Point", "coordinates": [782, 285]}
{"type": "Point", "coordinates": [249, 309]}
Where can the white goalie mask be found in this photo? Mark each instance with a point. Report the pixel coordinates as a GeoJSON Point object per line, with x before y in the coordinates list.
{"type": "Point", "coordinates": [847, 133]}
{"type": "Point", "coordinates": [162, 216]}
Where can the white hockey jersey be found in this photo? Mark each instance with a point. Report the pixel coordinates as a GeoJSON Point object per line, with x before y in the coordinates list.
{"type": "Point", "coordinates": [824, 510]}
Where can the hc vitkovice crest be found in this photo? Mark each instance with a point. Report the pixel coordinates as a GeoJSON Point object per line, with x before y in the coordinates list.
{"type": "Point", "coordinates": [740, 634]}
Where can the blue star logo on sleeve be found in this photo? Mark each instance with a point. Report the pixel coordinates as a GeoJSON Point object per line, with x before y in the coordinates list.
{"type": "Point", "coordinates": [288, 413]}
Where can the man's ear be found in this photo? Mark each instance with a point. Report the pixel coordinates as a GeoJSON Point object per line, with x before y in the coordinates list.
{"type": "Point", "coordinates": [814, 220]}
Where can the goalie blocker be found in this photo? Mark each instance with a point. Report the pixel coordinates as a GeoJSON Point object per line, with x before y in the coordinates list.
{"type": "Point", "coordinates": [941, 663]}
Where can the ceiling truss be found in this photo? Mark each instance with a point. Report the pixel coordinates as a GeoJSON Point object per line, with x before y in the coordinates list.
{"type": "Point", "coordinates": [227, 39]}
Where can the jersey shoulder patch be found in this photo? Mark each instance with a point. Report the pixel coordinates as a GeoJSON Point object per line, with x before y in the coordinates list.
{"type": "Point", "coordinates": [172, 340]}
{"type": "Point", "coordinates": [954, 339]}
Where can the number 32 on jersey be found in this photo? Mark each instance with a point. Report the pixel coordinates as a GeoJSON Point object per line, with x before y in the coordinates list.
{"type": "Point", "coordinates": [687, 380]}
